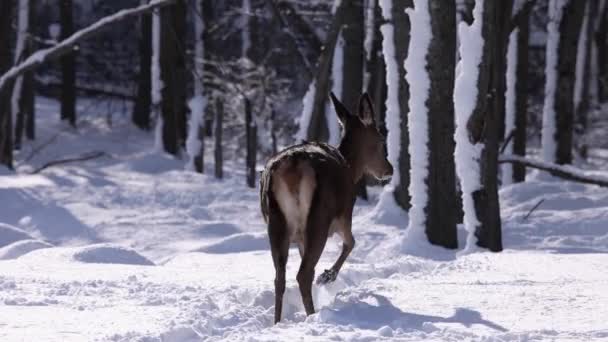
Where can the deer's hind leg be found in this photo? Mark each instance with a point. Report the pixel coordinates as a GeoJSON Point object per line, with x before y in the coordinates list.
{"type": "Point", "coordinates": [317, 229]}
{"type": "Point", "coordinates": [279, 247]}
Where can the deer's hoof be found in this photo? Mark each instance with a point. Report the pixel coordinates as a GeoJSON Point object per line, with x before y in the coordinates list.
{"type": "Point", "coordinates": [327, 277]}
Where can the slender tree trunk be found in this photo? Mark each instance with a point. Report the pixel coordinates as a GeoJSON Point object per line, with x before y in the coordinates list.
{"type": "Point", "coordinates": [521, 93]}
{"type": "Point", "coordinates": [316, 129]}
{"type": "Point", "coordinates": [219, 118]}
{"type": "Point", "coordinates": [6, 58]}
{"type": "Point", "coordinates": [68, 66]}
{"type": "Point", "coordinates": [441, 214]}
{"type": "Point", "coordinates": [252, 142]}
{"type": "Point", "coordinates": [173, 75]}
{"type": "Point", "coordinates": [23, 92]}
{"type": "Point", "coordinates": [377, 69]}
{"type": "Point", "coordinates": [143, 102]}
{"type": "Point", "coordinates": [601, 39]}
{"type": "Point", "coordinates": [401, 24]}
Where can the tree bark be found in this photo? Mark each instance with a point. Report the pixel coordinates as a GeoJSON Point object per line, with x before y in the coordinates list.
{"type": "Point", "coordinates": [401, 24]}
{"type": "Point", "coordinates": [68, 66]}
{"type": "Point", "coordinates": [521, 91]}
{"type": "Point", "coordinates": [570, 28]}
{"type": "Point", "coordinates": [174, 76]}
{"type": "Point", "coordinates": [601, 39]}
{"type": "Point", "coordinates": [219, 118]}
{"type": "Point", "coordinates": [317, 129]}
{"type": "Point", "coordinates": [6, 58]}
{"type": "Point", "coordinates": [483, 126]}
{"type": "Point", "coordinates": [25, 114]}
{"type": "Point", "coordinates": [441, 214]}
{"type": "Point", "coordinates": [141, 110]}
{"type": "Point", "coordinates": [251, 137]}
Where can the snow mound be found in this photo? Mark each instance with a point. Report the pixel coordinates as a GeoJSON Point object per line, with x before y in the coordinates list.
{"type": "Point", "coordinates": [154, 163]}
{"type": "Point", "coordinates": [10, 234]}
{"type": "Point", "coordinates": [245, 242]}
{"type": "Point", "coordinates": [19, 248]}
{"type": "Point", "coordinates": [110, 254]}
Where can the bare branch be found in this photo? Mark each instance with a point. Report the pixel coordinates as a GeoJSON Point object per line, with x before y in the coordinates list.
{"type": "Point", "coordinates": [561, 171]}
{"type": "Point", "coordinates": [67, 44]}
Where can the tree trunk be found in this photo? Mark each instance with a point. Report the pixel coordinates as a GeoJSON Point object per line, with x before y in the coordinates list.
{"type": "Point", "coordinates": [25, 100]}
{"type": "Point", "coordinates": [6, 58]}
{"type": "Point", "coordinates": [68, 66]}
{"type": "Point", "coordinates": [521, 92]}
{"type": "Point", "coordinates": [251, 137]}
{"type": "Point", "coordinates": [377, 83]}
{"type": "Point", "coordinates": [441, 214]}
{"type": "Point", "coordinates": [558, 147]}
{"type": "Point", "coordinates": [317, 129]}
{"type": "Point", "coordinates": [143, 102]}
{"type": "Point", "coordinates": [219, 118]}
{"type": "Point", "coordinates": [174, 76]}
{"type": "Point", "coordinates": [601, 39]}
{"type": "Point", "coordinates": [401, 24]}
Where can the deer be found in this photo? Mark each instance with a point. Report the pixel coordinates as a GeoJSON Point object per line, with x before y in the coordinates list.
{"type": "Point", "coordinates": [308, 192]}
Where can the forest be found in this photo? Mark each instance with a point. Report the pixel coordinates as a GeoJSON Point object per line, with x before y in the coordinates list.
{"type": "Point", "coordinates": [135, 137]}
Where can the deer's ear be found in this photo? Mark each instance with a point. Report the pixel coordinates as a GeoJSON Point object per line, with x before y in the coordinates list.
{"type": "Point", "coordinates": [342, 112]}
{"type": "Point", "coordinates": [366, 110]}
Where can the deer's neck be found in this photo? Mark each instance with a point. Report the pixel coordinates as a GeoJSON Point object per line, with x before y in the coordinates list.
{"type": "Point", "coordinates": [354, 159]}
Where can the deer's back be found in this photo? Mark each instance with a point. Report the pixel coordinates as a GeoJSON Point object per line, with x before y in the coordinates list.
{"type": "Point", "coordinates": [295, 175]}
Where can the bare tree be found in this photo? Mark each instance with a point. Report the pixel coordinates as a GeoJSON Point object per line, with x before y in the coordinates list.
{"type": "Point", "coordinates": [68, 66]}
{"type": "Point", "coordinates": [6, 125]}
{"type": "Point", "coordinates": [174, 75]}
{"type": "Point", "coordinates": [141, 110]}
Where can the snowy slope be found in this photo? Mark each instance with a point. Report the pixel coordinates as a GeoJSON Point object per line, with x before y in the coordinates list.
{"type": "Point", "coordinates": [129, 247]}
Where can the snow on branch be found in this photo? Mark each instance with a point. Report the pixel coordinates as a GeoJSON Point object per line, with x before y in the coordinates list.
{"type": "Point", "coordinates": [66, 45]}
{"type": "Point", "coordinates": [561, 171]}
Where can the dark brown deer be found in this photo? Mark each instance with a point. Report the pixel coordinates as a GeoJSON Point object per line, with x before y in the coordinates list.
{"type": "Point", "coordinates": [308, 191]}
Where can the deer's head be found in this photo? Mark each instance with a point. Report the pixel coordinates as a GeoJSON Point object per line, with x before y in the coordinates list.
{"type": "Point", "coordinates": [362, 143]}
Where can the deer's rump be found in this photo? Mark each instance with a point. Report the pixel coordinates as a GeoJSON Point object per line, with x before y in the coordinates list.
{"type": "Point", "coordinates": [295, 177]}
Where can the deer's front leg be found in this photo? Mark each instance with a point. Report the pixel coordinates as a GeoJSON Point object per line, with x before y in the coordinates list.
{"type": "Point", "coordinates": [348, 244]}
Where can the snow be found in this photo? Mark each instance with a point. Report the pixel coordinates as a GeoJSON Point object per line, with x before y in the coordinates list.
{"type": "Point", "coordinates": [548, 143]}
{"type": "Point", "coordinates": [306, 116]}
{"type": "Point", "coordinates": [510, 101]}
{"type": "Point", "coordinates": [467, 155]}
{"type": "Point", "coordinates": [78, 271]}
{"type": "Point", "coordinates": [393, 113]}
{"type": "Point", "coordinates": [418, 79]}
{"type": "Point", "coordinates": [193, 142]}
{"type": "Point", "coordinates": [337, 80]}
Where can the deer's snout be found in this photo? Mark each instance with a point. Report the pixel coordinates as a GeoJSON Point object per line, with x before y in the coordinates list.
{"type": "Point", "coordinates": [388, 171]}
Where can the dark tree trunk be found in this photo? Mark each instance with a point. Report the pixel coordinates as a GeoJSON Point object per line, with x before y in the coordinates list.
{"type": "Point", "coordinates": [25, 111]}
{"type": "Point", "coordinates": [483, 125]}
{"type": "Point", "coordinates": [376, 87]}
{"type": "Point", "coordinates": [521, 92]}
{"type": "Point", "coordinates": [569, 28]}
{"type": "Point", "coordinates": [6, 58]}
{"type": "Point", "coordinates": [219, 118]}
{"type": "Point", "coordinates": [143, 102]}
{"type": "Point", "coordinates": [317, 129]}
{"type": "Point", "coordinates": [68, 66]}
{"type": "Point", "coordinates": [173, 75]}
{"type": "Point", "coordinates": [601, 39]}
{"type": "Point", "coordinates": [352, 72]}
{"type": "Point", "coordinates": [401, 25]}
{"type": "Point", "coordinates": [252, 143]}
{"type": "Point", "coordinates": [441, 214]}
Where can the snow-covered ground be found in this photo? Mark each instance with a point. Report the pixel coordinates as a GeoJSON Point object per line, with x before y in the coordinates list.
{"type": "Point", "coordinates": [129, 247]}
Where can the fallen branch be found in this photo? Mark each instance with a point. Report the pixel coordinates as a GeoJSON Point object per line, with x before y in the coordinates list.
{"type": "Point", "coordinates": [561, 171]}
{"type": "Point", "coordinates": [67, 44]}
{"type": "Point", "coordinates": [532, 210]}
{"type": "Point", "coordinates": [84, 157]}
